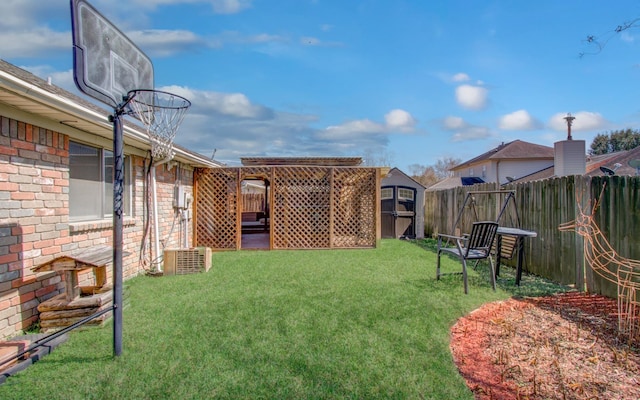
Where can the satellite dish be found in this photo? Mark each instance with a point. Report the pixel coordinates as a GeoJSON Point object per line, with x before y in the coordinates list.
{"type": "Point", "coordinates": [511, 178]}
{"type": "Point", "coordinates": [607, 171]}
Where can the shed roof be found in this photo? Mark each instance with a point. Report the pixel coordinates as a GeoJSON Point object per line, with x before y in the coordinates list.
{"type": "Point", "coordinates": [398, 172]}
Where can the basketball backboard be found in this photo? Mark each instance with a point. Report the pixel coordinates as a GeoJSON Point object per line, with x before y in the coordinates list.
{"type": "Point", "coordinates": [106, 63]}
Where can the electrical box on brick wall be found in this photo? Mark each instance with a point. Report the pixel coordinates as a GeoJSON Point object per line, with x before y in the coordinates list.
{"type": "Point", "coordinates": [178, 197]}
{"type": "Point", "coordinates": [181, 198]}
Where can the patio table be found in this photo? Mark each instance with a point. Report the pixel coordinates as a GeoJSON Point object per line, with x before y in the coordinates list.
{"type": "Point", "coordinates": [519, 234]}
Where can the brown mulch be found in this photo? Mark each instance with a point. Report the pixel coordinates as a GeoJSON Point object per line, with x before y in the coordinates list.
{"type": "Point", "coordinates": [564, 346]}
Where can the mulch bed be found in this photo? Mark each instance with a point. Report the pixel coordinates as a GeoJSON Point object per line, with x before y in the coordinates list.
{"type": "Point", "coordinates": [564, 346]}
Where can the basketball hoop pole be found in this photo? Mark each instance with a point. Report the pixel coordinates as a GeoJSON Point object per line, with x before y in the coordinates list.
{"type": "Point", "coordinates": [118, 190]}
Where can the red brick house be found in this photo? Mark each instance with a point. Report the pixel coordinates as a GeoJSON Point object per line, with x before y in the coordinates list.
{"type": "Point", "coordinates": [56, 191]}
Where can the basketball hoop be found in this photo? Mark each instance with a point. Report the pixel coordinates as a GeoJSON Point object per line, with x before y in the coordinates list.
{"type": "Point", "coordinates": [161, 113]}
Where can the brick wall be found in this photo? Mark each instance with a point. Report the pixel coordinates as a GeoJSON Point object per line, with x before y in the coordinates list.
{"type": "Point", "coordinates": [34, 219]}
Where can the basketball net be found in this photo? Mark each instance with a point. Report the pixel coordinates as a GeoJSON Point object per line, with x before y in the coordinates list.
{"type": "Point", "coordinates": [161, 113]}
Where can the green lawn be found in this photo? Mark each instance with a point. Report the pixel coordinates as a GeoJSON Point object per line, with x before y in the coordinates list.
{"type": "Point", "coordinates": [312, 324]}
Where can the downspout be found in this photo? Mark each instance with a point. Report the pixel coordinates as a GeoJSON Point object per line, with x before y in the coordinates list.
{"type": "Point", "coordinates": [156, 231]}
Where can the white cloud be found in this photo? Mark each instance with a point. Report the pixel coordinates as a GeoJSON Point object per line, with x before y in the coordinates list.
{"type": "Point", "coordinates": [399, 120]}
{"type": "Point", "coordinates": [164, 43]}
{"type": "Point", "coordinates": [472, 97]}
{"type": "Point", "coordinates": [230, 6]}
{"type": "Point", "coordinates": [396, 120]}
{"type": "Point", "coordinates": [471, 133]}
{"type": "Point", "coordinates": [21, 14]}
{"type": "Point", "coordinates": [453, 123]}
{"type": "Point", "coordinates": [463, 131]}
{"type": "Point", "coordinates": [35, 43]}
{"type": "Point", "coordinates": [584, 121]}
{"type": "Point", "coordinates": [460, 77]}
{"type": "Point", "coordinates": [235, 105]}
{"type": "Point", "coordinates": [351, 129]}
{"type": "Point", "coordinates": [237, 127]}
{"type": "Point", "coordinates": [218, 6]}
{"type": "Point", "coordinates": [519, 120]}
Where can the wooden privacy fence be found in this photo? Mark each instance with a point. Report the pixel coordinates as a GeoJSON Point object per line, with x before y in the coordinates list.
{"type": "Point", "coordinates": [542, 206]}
{"type": "Point", "coordinates": [309, 206]}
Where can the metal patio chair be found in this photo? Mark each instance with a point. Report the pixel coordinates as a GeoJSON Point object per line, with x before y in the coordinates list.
{"type": "Point", "coordinates": [475, 246]}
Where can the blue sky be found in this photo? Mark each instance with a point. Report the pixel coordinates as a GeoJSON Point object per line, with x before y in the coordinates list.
{"type": "Point", "coordinates": [406, 81]}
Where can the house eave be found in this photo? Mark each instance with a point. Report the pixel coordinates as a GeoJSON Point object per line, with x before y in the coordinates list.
{"type": "Point", "coordinates": [33, 99]}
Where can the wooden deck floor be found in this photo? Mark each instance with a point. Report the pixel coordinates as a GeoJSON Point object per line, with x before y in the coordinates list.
{"type": "Point", "coordinates": [255, 241]}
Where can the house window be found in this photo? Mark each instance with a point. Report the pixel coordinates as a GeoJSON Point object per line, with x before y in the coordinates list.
{"type": "Point", "coordinates": [386, 194]}
{"type": "Point", "coordinates": [470, 171]}
{"type": "Point", "coordinates": [484, 171]}
{"type": "Point", "coordinates": [91, 183]}
{"type": "Point", "coordinates": [405, 194]}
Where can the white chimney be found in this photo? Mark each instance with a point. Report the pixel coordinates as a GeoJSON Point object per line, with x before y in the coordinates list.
{"type": "Point", "coordinates": [569, 157]}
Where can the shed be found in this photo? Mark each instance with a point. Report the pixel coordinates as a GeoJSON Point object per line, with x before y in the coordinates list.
{"type": "Point", "coordinates": [402, 206]}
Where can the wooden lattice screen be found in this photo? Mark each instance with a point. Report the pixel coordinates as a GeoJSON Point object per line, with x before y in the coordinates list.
{"type": "Point", "coordinates": [310, 206]}
{"type": "Point", "coordinates": [216, 208]}
{"type": "Point", "coordinates": [354, 203]}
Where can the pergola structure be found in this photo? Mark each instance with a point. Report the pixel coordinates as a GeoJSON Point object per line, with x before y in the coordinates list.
{"type": "Point", "coordinates": [311, 203]}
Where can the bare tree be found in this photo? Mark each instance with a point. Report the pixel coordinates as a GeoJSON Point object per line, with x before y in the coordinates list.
{"type": "Point", "coordinates": [443, 167]}
{"type": "Point", "coordinates": [379, 159]}
{"type": "Point", "coordinates": [425, 175]}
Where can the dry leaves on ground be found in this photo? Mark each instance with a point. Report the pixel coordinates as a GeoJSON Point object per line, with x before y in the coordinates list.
{"type": "Point", "coordinates": [564, 346]}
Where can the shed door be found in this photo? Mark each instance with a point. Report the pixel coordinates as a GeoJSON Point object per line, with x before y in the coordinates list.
{"type": "Point", "coordinates": [398, 206]}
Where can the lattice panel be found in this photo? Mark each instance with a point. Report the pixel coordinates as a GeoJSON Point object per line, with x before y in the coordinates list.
{"type": "Point", "coordinates": [310, 207]}
{"type": "Point", "coordinates": [301, 207]}
{"type": "Point", "coordinates": [354, 207]}
{"type": "Point", "coordinates": [216, 208]}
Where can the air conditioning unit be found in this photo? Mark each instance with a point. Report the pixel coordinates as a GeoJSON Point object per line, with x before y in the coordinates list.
{"type": "Point", "coordinates": [187, 261]}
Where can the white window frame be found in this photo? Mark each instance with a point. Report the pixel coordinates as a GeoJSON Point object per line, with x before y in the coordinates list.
{"type": "Point", "coordinates": [386, 193]}
{"type": "Point", "coordinates": [406, 194]}
{"type": "Point", "coordinates": [103, 190]}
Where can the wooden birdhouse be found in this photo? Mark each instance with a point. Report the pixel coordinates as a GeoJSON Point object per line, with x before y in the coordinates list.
{"type": "Point", "coordinates": [74, 263]}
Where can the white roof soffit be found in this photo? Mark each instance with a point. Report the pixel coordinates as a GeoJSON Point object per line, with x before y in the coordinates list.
{"type": "Point", "coordinates": [36, 100]}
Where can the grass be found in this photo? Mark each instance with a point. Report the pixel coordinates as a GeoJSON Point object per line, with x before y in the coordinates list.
{"type": "Point", "coordinates": [280, 324]}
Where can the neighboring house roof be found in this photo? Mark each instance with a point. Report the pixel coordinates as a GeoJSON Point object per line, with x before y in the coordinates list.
{"type": "Point", "coordinates": [314, 161]}
{"type": "Point", "coordinates": [620, 157]}
{"type": "Point", "coordinates": [593, 165]}
{"type": "Point", "coordinates": [517, 149]}
{"type": "Point", "coordinates": [25, 91]}
{"type": "Point", "coordinates": [455, 181]}
{"type": "Point", "coordinates": [397, 171]}
{"type": "Point", "coordinates": [542, 174]}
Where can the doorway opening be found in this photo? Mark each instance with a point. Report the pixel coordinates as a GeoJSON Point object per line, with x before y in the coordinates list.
{"type": "Point", "coordinates": [255, 221]}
